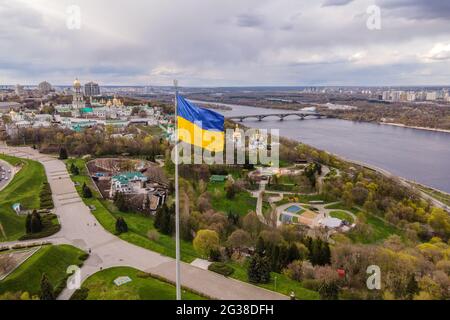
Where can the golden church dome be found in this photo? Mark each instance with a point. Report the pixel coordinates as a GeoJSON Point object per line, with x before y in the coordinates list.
{"type": "Point", "coordinates": [77, 83]}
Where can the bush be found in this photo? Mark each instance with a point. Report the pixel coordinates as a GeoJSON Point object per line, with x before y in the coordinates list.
{"type": "Point", "coordinates": [86, 192]}
{"type": "Point", "coordinates": [47, 291]}
{"type": "Point", "coordinates": [46, 200]}
{"type": "Point", "coordinates": [221, 268]}
{"type": "Point", "coordinates": [84, 257]}
{"type": "Point", "coordinates": [215, 255]}
{"type": "Point", "coordinates": [153, 235]}
{"type": "Point", "coordinates": [80, 294]}
{"type": "Point", "coordinates": [143, 275]}
{"type": "Point", "coordinates": [121, 226]}
{"type": "Point", "coordinates": [48, 229]}
{"type": "Point", "coordinates": [311, 284]}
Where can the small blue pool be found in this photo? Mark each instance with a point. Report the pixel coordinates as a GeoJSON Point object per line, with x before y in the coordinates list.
{"type": "Point", "coordinates": [294, 209]}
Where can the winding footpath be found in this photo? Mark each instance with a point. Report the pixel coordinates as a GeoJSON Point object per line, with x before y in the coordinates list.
{"type": "Point", "coordinates": [82, 230]}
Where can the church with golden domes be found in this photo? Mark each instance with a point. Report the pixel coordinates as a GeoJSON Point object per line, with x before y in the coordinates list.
{"type": "Point", "coordinates": [78, 98]}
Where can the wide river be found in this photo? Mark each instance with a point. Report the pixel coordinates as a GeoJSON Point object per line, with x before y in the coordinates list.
{"type": "Point", "coordinates": [418, 155]}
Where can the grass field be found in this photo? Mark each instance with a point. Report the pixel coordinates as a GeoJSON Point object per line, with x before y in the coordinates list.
{"type": "Point", "coordinates": [24, 189]}
{"type": "Point", "coordinates": [138, 224]}
{"type": "Point", "coordinates": [242, 203]}
{"type": "Point", "coordinates": [342, 215]}
{"type": "Point", "coordinates": [381, 230]}
{"type": "Point", "coordinates": [102, 287]}
{"type": "Point", "coordinates": [51, 260]}
{"type": "Point", "coordinates": [153, 131]}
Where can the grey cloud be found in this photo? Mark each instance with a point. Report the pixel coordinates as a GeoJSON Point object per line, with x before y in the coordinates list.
{"type": "Point", "coordinates": [249, 20]}
{"type": "Point", "coordinates": [417, 9]}
{"type": "Point", "coordinates": [210, 42]}
{"type": "Point", "coordinates": [332, 3]}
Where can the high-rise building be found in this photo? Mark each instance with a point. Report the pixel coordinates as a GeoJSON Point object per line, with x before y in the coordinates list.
{"type": "Point", "coordinates": [78, 99]}
{"type": "Point", "coordinates": [411, 96]}
{"type": "Point", "coordinates": [431, 96]}
{"type": "Point", "coordinates": [396, 96]}
{"type": "Point", "coordinates": [91, 89]}
{"type": "Point", "coordinates": [45, 87]}
{"type": "Point", "coordinates": [386, 95]}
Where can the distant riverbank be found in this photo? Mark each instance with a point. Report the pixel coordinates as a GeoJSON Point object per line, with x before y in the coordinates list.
{"type": "Point", "coordinates": [414, 127]}
{"type": "Point", "coordinates": [416, 155]}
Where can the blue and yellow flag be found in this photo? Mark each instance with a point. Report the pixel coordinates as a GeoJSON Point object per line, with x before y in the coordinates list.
{"type": "Point", "coordinates": [200, 127]}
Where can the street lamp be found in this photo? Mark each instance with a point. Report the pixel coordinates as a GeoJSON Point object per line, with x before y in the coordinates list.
{"type": "Point", "coordinates": [292, 295]}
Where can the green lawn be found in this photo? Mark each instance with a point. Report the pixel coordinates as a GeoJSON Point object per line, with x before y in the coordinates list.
{"type": "Point", "coordinates": [341, 206]}
{"type": "Point", "coordinates": [342, 215]}
{"type": "Point", "coordinates": [242, 203]}
{"type": "Point", "coordinates": [380, 229]}
{"type": "Point", "coordinates": [24, 189]}
{"type": "Point", "coordinates": [283, 285]}
{"type": "Point", "coordinates": [154, 131]}
{"type": "Point", "coordinates": [101, 287]}
{"type": "Point", "coordinates": [138, 224]}
{"type": "Point", "coordinates": [51, 260]}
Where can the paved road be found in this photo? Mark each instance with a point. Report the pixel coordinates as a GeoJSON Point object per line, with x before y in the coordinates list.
{"type": "Point", "coordinates": [9, 172]}
{"type": "Point", "coordinates": [80, 229]}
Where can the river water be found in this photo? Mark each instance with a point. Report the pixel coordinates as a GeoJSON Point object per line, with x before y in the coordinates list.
{"type": "Point", "coordinates": [418, 155]}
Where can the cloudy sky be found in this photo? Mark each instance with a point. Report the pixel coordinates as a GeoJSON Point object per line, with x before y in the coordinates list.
{"type": "Point", "coordinates": [226, 43]}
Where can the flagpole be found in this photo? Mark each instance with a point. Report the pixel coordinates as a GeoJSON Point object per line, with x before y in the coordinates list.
{"type": "Point", "coordinates": [177, 199]}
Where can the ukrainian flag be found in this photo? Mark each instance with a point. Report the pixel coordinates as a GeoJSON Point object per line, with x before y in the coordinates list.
{"type": "Point", "coordinates": [200, 127]}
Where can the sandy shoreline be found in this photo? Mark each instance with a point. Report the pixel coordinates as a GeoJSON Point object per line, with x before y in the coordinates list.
{"type": "Point", "coordinates": [414, 127]}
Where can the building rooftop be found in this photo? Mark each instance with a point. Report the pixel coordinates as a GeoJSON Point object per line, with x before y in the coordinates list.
{"type": "Point", "coordinates": [125, 178]}
{"type": "Point", "coordinates": [331, 223]}
{"type": "Point", "coordinates": [217, 178]}
{"type": "Point", "coordinates": [7, 105]}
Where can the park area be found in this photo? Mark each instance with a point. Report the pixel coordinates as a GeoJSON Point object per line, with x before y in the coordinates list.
{"type": "Point", "coordinates": [139, 226]}
{"type": "Point", "coordinates": [51, 260]}
{"type": "Point", "coordinates": [241, 204]}
{"type": "Point", "coordinates": [24, 189]}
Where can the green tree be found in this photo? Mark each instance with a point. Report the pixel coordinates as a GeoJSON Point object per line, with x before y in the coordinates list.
{"type": "Point", "coordinates": [74, 169]}
{"type": "Point", "coordinates": [293, 253]}
{"type": "Point", "coordinates": [47, 292]}
{"type": "Point", "coordinates": [86, 192]}
{"type": "Point", "coordinates": [325, 254]}
{"type": "Point", "coordinates": [165, 220]}
{"type": "Point", "coordinates": [258, 270]}
{"type": "Point", "coordinates": [121, 225]}
{"type": "Point", "coordinates": [121, 202]}
{"type": "Point", "coordinates": [35, 223]}
{"type": "Point", "coordinates": [439, 220]}
{"type": "Point", "coordinates": [63, 154]}
{"type": "Point", "coordinates": [205, 242]}
{"type": "Point", "coordinates": [28, 224]}
{"type": "Point", "coordinates": [260, 246]}
{"type": "Point", "coordinates": [412, 287]}
{"type": "Point", "coordinates": [230, 190]}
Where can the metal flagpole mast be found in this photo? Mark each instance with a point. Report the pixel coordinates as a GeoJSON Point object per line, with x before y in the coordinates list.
{"type": "Point", "coordinates": [177, 198]}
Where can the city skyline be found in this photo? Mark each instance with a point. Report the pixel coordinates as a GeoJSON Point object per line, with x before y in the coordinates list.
{"type": "Point", "coordinates": [259, 43]}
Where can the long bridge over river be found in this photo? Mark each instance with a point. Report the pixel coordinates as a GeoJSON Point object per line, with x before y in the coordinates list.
{"type": "Point", "coordinates": [280, 116]}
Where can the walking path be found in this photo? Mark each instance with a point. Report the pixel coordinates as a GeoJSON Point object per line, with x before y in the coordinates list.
{"type": "Point", "coordinates": [81, 229]}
